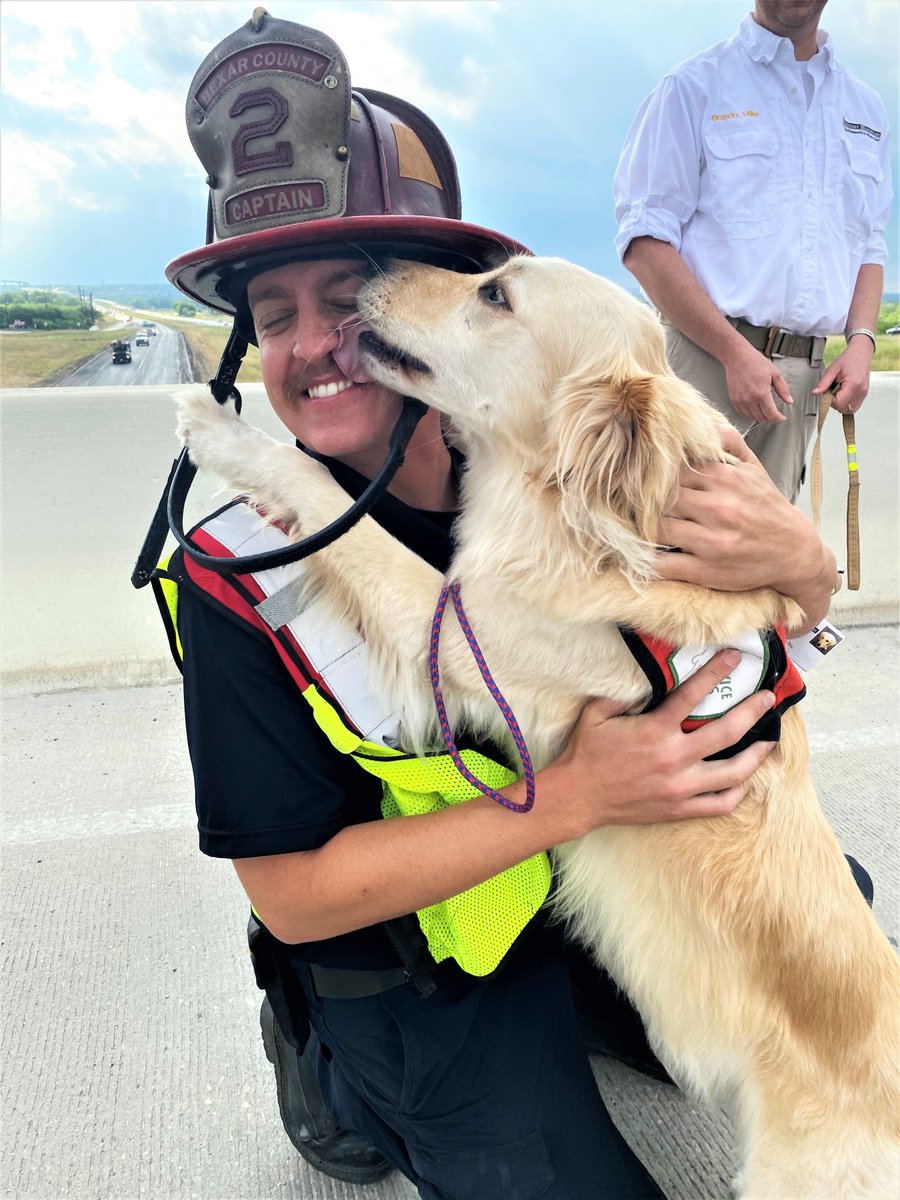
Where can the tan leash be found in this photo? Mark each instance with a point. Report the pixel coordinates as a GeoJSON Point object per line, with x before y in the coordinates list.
{"type": "Point", "coordinates": [848, 422]}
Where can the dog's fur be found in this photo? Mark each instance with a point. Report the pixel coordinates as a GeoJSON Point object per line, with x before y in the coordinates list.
{"type": "Point", "coordinates": [760, 973]}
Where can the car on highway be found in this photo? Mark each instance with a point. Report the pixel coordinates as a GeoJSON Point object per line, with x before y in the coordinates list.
{"type": "Point", "coordinates": [121, 352]}
{"type": "Point", "coordinates": [142, 340]}
{"type": "Point", "coordinates": [893, 331]}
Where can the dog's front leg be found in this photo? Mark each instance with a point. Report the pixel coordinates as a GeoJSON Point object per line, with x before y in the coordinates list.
{"type": "Point", "coordinates": [369, 577]}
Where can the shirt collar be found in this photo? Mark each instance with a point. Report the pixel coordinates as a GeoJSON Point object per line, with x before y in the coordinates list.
{"type": "Point", "coordinates": [763, 46]}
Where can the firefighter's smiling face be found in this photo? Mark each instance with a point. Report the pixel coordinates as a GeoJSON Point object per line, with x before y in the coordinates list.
{"type": "Point", "coordinates": [305, 312]}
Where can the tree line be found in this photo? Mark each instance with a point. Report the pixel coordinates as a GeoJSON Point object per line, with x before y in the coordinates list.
{"type": "Point", "coordinates": [36, 309]}
{"type": "Point", "coordinates": [52, 309]}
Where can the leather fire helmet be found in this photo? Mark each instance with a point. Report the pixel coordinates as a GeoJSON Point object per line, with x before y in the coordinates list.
{"type": "Point", "coordinates": [300, 165]}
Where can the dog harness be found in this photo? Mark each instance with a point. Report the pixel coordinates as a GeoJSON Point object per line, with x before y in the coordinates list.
{"type": "Point", "coordinates": [329, 662]}
{"type": "Point", "coordinates": [764, 664]}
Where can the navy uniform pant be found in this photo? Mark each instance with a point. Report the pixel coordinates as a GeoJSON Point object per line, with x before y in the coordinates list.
{"type": "Point", "coordinates": [481, 1091]}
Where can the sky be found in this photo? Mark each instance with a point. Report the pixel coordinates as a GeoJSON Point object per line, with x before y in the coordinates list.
{"type": "Point", "coordinates": [99, 184]}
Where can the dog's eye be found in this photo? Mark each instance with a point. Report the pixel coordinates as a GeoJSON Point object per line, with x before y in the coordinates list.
{"type": "Point", "coordinates": [492, 293]}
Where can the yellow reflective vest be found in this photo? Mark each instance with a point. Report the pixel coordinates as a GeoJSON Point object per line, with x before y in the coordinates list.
{"type": "Point", "coordinates": [329, 662]}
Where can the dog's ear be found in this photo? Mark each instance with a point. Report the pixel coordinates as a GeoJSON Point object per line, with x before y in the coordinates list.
{"type": "Point", "coordinates": [620, 448]}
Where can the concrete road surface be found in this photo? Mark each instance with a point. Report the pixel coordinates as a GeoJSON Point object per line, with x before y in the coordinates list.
{"type": "Point", "coordinates": [130, 1065]}
{"type": "Point", "coordinates": [164, 361]}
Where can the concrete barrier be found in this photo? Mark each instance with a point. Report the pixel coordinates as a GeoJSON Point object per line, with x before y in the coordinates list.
{"type": "Point", "coordinates": [82, 472]}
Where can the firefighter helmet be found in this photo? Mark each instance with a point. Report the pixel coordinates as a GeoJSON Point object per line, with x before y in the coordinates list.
{"type": "Point", "coordinates": [299, 165]}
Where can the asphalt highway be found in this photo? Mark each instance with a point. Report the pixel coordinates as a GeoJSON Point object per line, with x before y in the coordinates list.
{"type": "Point", "coordinates": [164, 361]}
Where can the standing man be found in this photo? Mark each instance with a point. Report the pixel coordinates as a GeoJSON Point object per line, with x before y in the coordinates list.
{"type": "Point", "coordinates": [752, 196]}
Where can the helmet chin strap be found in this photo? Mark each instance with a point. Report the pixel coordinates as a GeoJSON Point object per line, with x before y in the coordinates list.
{"type": "Point", "coordinates": [169, 515]}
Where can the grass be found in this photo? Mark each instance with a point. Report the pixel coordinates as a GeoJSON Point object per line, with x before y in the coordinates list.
{"type": "Point", "coordinates": [886, 357]}
{"type": "Point", "coordinates": [205, 346]}
{"type": "Point", "coordinates": [44, 357]}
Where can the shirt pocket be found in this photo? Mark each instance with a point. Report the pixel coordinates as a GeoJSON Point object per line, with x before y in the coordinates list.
{"type": "Point", "coordinates": [856, 191]}
{"type": "Point", "coordinates": [743, 179]}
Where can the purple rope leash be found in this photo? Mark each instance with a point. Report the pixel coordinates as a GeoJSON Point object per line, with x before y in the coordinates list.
{"type": "Point", "coordinates": [452, 590]}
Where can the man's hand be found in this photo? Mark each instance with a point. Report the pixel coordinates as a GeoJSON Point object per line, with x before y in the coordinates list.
{"type": "Point", "coordinates": [751, 379]}
{"type": "Point", "coordinates": [850, 372]}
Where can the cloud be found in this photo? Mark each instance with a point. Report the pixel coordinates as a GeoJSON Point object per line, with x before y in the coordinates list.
{"type": "Point", "coordinates": [71, 61]}
{"type": "Point", "coordinates": [535, 99]}
{"type": "Point", "coordinates": [41, 178]}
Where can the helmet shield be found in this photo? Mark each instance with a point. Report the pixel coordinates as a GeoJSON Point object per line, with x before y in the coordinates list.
{"type": "Point", "coordinates": [299, 165]}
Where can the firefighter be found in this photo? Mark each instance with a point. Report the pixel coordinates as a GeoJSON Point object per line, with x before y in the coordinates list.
{"type": "Point", "coordinates": [466, 1070]}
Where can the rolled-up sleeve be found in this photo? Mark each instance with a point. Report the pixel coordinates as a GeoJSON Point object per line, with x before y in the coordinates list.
{"type": "Point", "coordinates": [657, 179]}
{"type": "Point", "coordinates": [876, 250]}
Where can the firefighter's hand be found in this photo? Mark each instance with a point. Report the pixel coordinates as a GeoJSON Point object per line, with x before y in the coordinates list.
{"type": "Point", "coordinates": [755, 384]}
{"type": "Point", "coordinates": [642, 770]}
{"type": "Point", "coordinates": [735, 532]}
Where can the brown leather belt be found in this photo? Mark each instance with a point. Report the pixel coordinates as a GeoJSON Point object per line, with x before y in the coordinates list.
{"type": "Point", "coordinates": [775, 342]}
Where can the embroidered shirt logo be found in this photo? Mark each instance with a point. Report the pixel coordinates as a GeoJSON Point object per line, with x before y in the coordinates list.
{"type": "Point", "coordinates": [730, 116]}
{"type": "Point", "coordinates": [855, 127]}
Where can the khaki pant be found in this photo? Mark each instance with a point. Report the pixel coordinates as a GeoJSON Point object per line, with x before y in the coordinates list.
{"type": "Point", "coordinates": [780, 448]}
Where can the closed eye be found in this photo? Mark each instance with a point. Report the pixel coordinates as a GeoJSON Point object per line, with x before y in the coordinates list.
{"type": "Point", "coordinates": [343, 303]}
{"type": "Point", "coordinates": [493, 294]}
{"type": "Point", "coordinates": [269, 322]}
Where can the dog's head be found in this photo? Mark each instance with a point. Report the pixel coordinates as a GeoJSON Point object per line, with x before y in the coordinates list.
{"type": "Point", "coordinates": [825, 640]}
{"type": "Point", "coordinates": [562, 366]}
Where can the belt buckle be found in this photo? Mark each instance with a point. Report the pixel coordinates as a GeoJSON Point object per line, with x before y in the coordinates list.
{"type": "Point", "coordinates": [774, 341]}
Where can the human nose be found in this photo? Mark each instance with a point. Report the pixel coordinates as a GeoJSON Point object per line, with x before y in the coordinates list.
{"type": "Point", "coordinates": [314, 341]}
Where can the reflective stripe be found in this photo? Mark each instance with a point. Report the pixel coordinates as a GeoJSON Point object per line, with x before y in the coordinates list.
{"type": "Point", "coordinates": [169, 589]}
{"type": "Point", "coordinates": [334, 648]}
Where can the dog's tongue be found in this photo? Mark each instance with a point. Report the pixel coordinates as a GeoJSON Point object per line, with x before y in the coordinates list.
{"type": "Point", "coordinates": [346, 353]}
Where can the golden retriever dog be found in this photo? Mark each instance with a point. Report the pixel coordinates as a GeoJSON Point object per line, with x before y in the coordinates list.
{"type": "Point", "coordinates": [760, 973]}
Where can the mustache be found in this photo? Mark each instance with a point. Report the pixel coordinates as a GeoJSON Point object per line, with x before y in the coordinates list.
{"type": "Point", "coordinates": [295, 388]}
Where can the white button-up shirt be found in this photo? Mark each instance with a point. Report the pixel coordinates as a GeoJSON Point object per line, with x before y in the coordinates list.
{"type": "Point", "coordinates": [773, 205]}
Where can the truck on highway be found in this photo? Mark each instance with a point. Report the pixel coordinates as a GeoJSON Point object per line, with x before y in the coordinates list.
{"type": "Point", "coordinates": [121, 352]}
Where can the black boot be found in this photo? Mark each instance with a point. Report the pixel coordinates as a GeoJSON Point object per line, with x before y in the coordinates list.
{"type": "Point", "coordinates": [340, 1153]}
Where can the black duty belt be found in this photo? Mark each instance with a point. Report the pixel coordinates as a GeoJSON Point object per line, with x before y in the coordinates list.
{"type": "Point", "coordinates": [341, 983]}
{"type": "Point", "coordinates": [773, 341]}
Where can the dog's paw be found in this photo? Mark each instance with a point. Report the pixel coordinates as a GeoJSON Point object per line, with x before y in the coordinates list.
{"type": "Point", "coordinates": [218, 440]}
{"type": "Point", "coordinates": [200, 417]}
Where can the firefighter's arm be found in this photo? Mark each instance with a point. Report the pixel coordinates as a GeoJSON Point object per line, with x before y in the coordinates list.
{"type": "Point", "coordinates": [614, 770]}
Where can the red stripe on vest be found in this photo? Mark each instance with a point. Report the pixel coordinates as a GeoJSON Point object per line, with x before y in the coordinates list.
{"type": "Point", "coordinates": [225, 590]}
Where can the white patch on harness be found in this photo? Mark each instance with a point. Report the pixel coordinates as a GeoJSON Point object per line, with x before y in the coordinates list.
{"type": "Point", "coordinates": [743, 681]}
{"type": "Point", "coordinates": [334, 649]}
{"type": "Point", "coordinates": [808, 650]}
